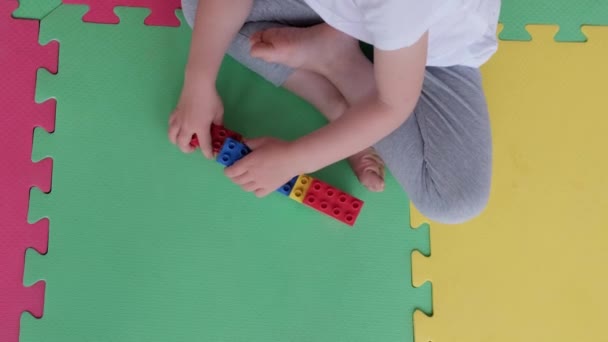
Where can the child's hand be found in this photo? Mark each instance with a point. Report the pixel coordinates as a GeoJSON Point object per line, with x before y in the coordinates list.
{"type": "Point", "coordinates": [268, 167]}
{"type": "Point", "coordinates": [197, 109]}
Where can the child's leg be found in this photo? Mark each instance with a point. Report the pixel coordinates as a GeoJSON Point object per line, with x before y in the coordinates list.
{"type": "Point", "coordinates": [312, 87]}
{"type": "Point", "coordinates": [265, 14]}
{"type": "Point", "coordinates": [321, 93]}
{"type": "Point", "coordinates": [442, 154]}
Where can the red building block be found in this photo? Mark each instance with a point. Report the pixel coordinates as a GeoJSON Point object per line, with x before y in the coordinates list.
{"type": "Point", "coordinates": [333, 202]}
{"type": "Point", "coordinates": [102, 11]}
{"type": "Point", "coordinates": [218, 136]}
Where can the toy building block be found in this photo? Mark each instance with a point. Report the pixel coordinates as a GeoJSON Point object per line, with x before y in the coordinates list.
{"type": "Point", "coordinates": [303, 188]}
{"type": "Point", "coordinates": [300, 188]}
{"type": "Point", "coordinates": [231, 152]}
{"type": "Point", "coordinates": [218, 137]}
{"type": "Point", "coordinates": [333, 202]}
{"type": "Point", "coordinates": [194, 142]}
{"type": "Point", "coordinates": [286, 189]}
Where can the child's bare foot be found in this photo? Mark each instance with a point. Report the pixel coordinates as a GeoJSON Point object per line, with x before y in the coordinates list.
{"type": "Point", "coordinates": [369, 168]}
{"type": "Point", "coordinates": [312, 48]}
{"type": "Point", "coordinates": [316, 49]}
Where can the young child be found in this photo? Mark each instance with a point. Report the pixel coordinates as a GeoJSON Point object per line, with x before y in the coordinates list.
{"type": "Point", "coordinates": [419, 107]}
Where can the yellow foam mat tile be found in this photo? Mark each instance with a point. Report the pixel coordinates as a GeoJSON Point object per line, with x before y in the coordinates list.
{"type": "Point", "coordinates": [534, 265]}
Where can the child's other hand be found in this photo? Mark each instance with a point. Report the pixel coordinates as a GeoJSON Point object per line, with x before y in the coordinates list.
{"type": "Point", "coordinates": [198, 108]}
{"type": "Point", "coordinates": [268, 167]}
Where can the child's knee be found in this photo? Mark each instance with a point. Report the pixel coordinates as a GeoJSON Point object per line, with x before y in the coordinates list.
{"type": "Point", "coordinates": [335, 105]}
{"type": "Point", "coordinates": [456, 205]}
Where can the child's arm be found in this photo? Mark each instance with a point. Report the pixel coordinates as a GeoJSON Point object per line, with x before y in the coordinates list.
{"type": "Point", "coordinates": [399, 76]}
{"type": "Point", "coordinates": [217, 23]}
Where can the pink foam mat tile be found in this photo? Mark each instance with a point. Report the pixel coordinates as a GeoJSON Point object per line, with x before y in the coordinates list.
{"type": "Point", "coordinates": [20, 58]}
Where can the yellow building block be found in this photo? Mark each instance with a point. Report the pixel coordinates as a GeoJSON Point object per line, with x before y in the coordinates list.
{"type": "Point", "coordinates": [300, 188]}
{"type": "Point", "coordinates": [533, 266]}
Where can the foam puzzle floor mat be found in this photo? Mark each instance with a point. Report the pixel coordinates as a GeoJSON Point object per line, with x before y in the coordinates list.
{"type": "Point", "coordinates": [20, 57]}
{"type": "Point", "coordinates": [533, 266]}
{"type": "Point", "coordinates": [147, 243]}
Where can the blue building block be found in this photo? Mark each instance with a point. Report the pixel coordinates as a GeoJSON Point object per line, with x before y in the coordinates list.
{"type": "Point", "coordinates": [286, 189]}
{"type": "Point", "coordinates": [231, 152]}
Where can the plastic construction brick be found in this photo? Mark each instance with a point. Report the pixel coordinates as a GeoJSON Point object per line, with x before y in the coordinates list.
{"type": "Point", "coordinates": [570, 16]}
{"type": "Point", "coordinates": [102, 11]}
{"type": "Point", "coordinates": [286, 189]}
{"type": "Point", "coordinates": [231, 152]}
{"type": "Point", "coordinates": [20, 57]}
{"type": "Point", "coordinates": [333, 202]}
{"type": "Point", "coordinates": [218, 136]}
{"type": "Point", "coordinates": [300, 188]}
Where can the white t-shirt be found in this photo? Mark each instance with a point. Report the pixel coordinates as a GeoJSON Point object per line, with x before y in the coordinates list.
{"type": "Point", "coordinates": [461, 32]}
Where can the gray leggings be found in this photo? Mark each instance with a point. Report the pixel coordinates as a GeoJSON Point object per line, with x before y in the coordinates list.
{"type": "Point", "coordinates": [442, 155]}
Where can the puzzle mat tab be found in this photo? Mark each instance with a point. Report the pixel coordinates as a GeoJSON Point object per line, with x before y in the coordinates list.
{"type": "Point", "coordinates": [147, 243]}
{"type": "Point", "coordinates": [532, 267]}
{"type": "Point", "coordinates": [570, 16]}
{"type": "Point", "coordinates": [162, 12]}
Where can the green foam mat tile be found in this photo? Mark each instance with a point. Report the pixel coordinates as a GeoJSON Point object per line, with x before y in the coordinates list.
{"type": "Point", "coordinates": [35, 9]}
{"type": "Point", "coordinates": [570, 16]}
{"type": "Point", "coordinates": [149, 244]}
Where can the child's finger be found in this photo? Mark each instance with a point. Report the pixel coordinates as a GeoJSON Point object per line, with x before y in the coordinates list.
{"type": "Point", "coordinates": [173, 132]}
{"type": "Point", "coordinates": [204, 140]}
{"type": "Point", "coordinates": [242, 179]}
{"type": "Point", "coordinates": [261, 193]}
{"type": "Point", "coordinates": [218, 120]}
{"type": "Point", "coordinates": [194, 142]}
{"type": "Point", "coordinates": [237, 169]}
{"type": "Point", "coordinates": [250, 187]}
{"type": "Point", "coordinates": [183, 141]}
{"type": "Point", "coordinates": [255, 143]}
